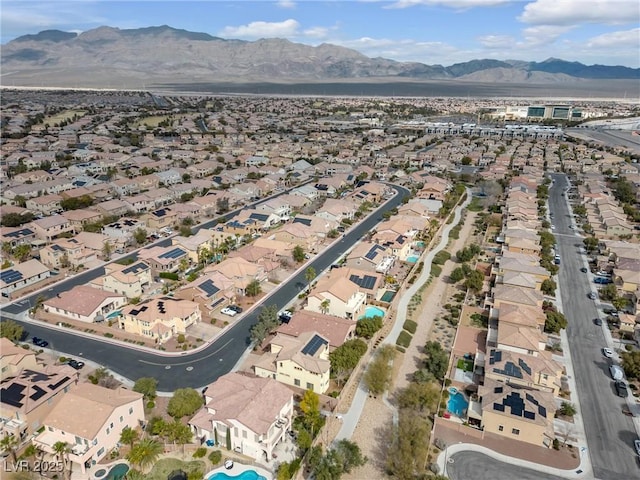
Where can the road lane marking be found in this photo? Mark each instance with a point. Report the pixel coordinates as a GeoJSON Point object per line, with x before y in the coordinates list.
{"type": "Point", "coordinates": [189, 362]}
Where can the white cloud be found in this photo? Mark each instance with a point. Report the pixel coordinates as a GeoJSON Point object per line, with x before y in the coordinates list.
{"type": "Point", "coordinates": [574, 12]}
{"type": "Point", "coordinates": [252, 30]}
{"type": "Point", "coordinates": [456, 4]}
{"type": "Point", "coordinates": [620, 39]}
{"type": "Point", "coordinates": [316, 32]}
{"type": "Point", "coordinates": [496, 41]}
{"type": "Point", "coordinates": [544, 34]}
{"type": "Point", "coordinates": [286, 4]}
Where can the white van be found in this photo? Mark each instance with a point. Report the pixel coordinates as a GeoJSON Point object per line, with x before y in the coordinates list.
{"type": "Point", "coordinates": [616, 372]}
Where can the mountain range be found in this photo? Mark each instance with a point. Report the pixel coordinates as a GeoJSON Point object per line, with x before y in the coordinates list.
{"type": "Point", "coordinates": [154, 55]}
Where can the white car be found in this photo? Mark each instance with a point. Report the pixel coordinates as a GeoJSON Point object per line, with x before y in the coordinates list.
{"type": "Point", "coordinates": [607, 352]}
{"type": "Point", "coordinates": [229, 311]}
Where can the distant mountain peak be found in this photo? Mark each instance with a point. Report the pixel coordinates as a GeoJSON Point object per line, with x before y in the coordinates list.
{"type": "Point", "coordinates": [47, 36]}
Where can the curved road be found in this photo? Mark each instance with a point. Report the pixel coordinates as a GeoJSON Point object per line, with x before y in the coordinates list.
{"type": "Point", "coordinates": [195, 368]}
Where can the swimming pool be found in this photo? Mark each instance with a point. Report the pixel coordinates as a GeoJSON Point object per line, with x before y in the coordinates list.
{"type": "Point", "coordinates": [246, 475]}
{"type": "Point", "coordinates": [457, 404]}
{"type": "Point", "coordinates": [412, 259]}
{"type": "Point", "coordinates": [116, 472]}
{"type": "Point", "coordinates": [388, 296]}
{"type": "Point", "coordinates": [372, 311]}
{"type": "Point", "coordinates": [420, 244]}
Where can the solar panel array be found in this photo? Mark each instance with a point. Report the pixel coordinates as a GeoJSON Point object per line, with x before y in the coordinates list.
{"type": "Point", "coordinates": [314, 345]}
{"type": "Point", "coordinates": [136, 268]}
{"type": "Point", "coordinates": [495, 356]}
{"type": "Point", "coordinates": [209, 288]}
{"type": "Point", "coordinates": [524, 366]}
{"type": "Point", "coordinates": [373, 251]}
{"type": "Point", "coordinates": [515, 402]}
{"type": "Point", "coordinates": [57, 248]}
{"type": "Point", "coordinates": [259, 216]}
{"type": "Point", "coordinates": [367, 282]}
{"type": "Point", "coordinates": [173, 254]}
{"type": "Point", "coordinates": [10, 276]}
{"type": "Point", "coordinates": [304, 221]}
{"type": "Point", "coordinates": [135, 311]}
{"type": "Point", "coordinates": [13, 395]}
{"type": "Point", "coordinates": [510, 369]}
{"type": "Point", "coordinates": [161, 307]}
{"type": "Point", "coordinates": [160, 213]}
{"type": "Point", "coordinates": [37, 393]}
{"type": "Point", "coordinates": [541, 410]}
{"type": "Point", "coordinates": [19, 233]}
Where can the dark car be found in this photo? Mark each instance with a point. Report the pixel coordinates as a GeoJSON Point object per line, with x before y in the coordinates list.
{"type": "Point", "coordinates": [39, 342]}
{"type": "Point", "coordinates": [621, 389]}
{"type": "Point", "coordinates": [583, 269]}
{"type": "Point", "coordinates": [597, 321]}
{"type": "Point", "coordinates": [75, 364]}
{"type": "Point", "coordinates": [236, 308]}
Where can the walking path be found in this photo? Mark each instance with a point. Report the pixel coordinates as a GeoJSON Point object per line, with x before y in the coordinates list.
{"type": "Point", "coordinates": [351, 418]}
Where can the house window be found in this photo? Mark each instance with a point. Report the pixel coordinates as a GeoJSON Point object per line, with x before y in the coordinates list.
{"type": "Point", "coordinates": [515, 431]}
{"type": "Point", "coordinates": [130, 410]}
{"type": "Point", "coordinates": [108, 431]}
{"type": "Point", "coordinates": [121, 418]}
{"type": "Point", "coordinates": [100, 452]}
{"type": "Point", "coordinates": [50, 429]}
{"type": "Point", "coordinates": [111, 425]}
{"type": "Point", "coordinates": [501, 428]}
{"type": "Point", "coordinates": [296, 382]}
{"type": "Point", "coordinates": [309, 386]}
{"type": "Point", "coordinates": [244, 434]}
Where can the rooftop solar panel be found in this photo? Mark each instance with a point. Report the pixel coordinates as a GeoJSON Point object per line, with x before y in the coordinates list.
{"type": "Point", "coordinates": [37, 393]}
{"type": "Point", "coordinates": [524, 366]}
{"type": "Point", "coordinates": [57, 248]}
{"type": "Point", "coordinates": [10, 276]}
{"type": "Point", "coordinates": [55, 386]}
{"type": "Point", "coordinates": [542, 411]}
{"type": "Point", "coordinates": [259, 216]}
{"type": "Point", "coordinates": [136, 268]}
{"type": "Point", "coordinates": [304, 221]}
{"type": "Point", "coordinates": [529, 415]}
{"type": "Point", "coordinates": [209, 288]}
{"type": "Point", "coordinates": [175, 253]}
{"type": "Point", "coordinates": [314, 345]}
{"type": "Point", "coordinates": [499, 407]}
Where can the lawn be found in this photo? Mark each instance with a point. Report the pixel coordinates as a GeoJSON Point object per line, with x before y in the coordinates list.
{"type": "Point", "coordinates": [466, 365]}
{"type": "Point", "coordinates": [164, 467]}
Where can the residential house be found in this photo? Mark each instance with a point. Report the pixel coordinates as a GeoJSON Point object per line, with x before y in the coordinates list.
{"type": "Point", "coordinates": [301, 361]}
{"type": "Point", "coordinates": [240, 271]}
{"type": "Point", "coordinates": [160, 318]}
{"type": "Point", "coordinates": [540, 372]}
{"type": "Point", "coordinates": [339, 297]}
{"type": "Point", "coordinates": [370, 257]}
{"type": "Point", "coordinates": [90, 419]}
{"type": "Point", "coordinates": [209, 292]}
{"type": "Point", "coordinates": [15, 236]}
{"type": "Point", "coordinates": [253, 414]}
{"type": "Point", "coordinates": [336, 330]}
{"type": "Point", "coordinates": [161, 218]}
{"type": "Point", "coordinates": [51, 227]}
{"type": "Point", "coordinates": [517, 413]}
{"type": "Point", "coordinates": [164, 259]}
{"type": "Point", "coordinates": [22, 275]}
{"type": "Point", "coordinates": [128, 280]}
{"type": "Point", "coordinates": [45, 204]}
{"type": "Point", "coordinates": [195, 245]}
{"type": "Point", "coordinates": [298, 234]}
{"type": "Point", "coordinates": [67, 252]}
{"type": "Point", "coordinates": [85, 303]}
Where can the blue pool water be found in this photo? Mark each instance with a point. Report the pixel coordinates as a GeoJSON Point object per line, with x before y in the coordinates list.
{"type": "Point", "coordinates": [246, 475]}
{"type": "Point", "coordinates": [457, 404]}
{"type": "Point", "coordinates": [420, 244]}
{"type": "Point", "coordinates": [388, 296]}
{"type": "Point", "coordinates": [412, 259]}
{"type": "Point", "coordinates": [117, 472]}
{"type": "Point", "coordinates": [371, 312]}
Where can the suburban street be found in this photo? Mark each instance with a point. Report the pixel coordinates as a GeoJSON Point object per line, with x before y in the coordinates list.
{"type": "Point", "coordinates": [478, 466]}
{"type": "Point", "coordinates": [190, 369]}
{"type": "Point", "coordinates": [610, 434]}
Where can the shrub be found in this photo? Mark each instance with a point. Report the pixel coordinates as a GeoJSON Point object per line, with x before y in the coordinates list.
{"type": "Point", "coordinates": [441, 257]}
{"type": "Point", "coordinates": [215, 457]}
{"type": "Point", "coordinates": [410, 326]}
{"type": "Point", "coordinates": [200, 452]}
{"type": "Point", "coordinates": [169, 275]}
{"type": "Point", "coordinates": [150, 404]}
{"type": "Point", "coordinates": [436, 270]}
{"type": "Point", "coordinates": [556, 444]}
{"type": "Point", "coordinates": [404, 339]}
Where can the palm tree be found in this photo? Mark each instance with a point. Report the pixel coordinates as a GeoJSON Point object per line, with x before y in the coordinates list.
{"type": "Point", "coordinates": [129, 436]}
{"type": "Point", "coordinates": [145, 453]}
{"type": "Point", "coordinates": [324, 306]}
{"type": "Point", "coordinates": [10, 444]}
{"type": "Point", "coordinates": [310, 275]}
{"type": "Point", "coordinates": [30, 452]}
{"type": "Point", "coordinates": [62, 451]}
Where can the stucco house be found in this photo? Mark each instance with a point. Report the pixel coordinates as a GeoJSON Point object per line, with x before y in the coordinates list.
{"type": "Point", "coordinates": [339, 297]}
{"type": "Point", "coordinates": [90, 419]}
{"type": "Point", "coordinates": [248, 414]}
{"type": "Point", "coordinates": [85, 303]}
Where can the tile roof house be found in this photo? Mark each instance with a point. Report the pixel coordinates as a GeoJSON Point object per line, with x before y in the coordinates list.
{"type": "Point", "coordinates": [163, 259]}
{"type": "Point", "coordinates": [85, 303]}
{"type": "Point", "coordinates": [160, 318]}
{"type": "Point", "coordinates": [128, 280]}
{"type": "Point", "coordinates": [209, 292]}
{"type": "Point", "coordinates": [370, 257]}
{"type": "Point", "coordinates": [29, 391]}
{"type": "Point", "coordinates": [240, 271]}
{"type": "Point", "coordinates": [301, 361]}
{"type": "Point", "coordinates": [517, 413]}
{"type": "Point", "coordinates": [22, 275]}
{"type": "Point", "coordinates": [90, 419]}
{"type": "Point", "coordinates": [51, 227]}
{"type": "Point", "coordinates": [336, 330]}
{"type": "Point", "coordinates": [253, 413]}
{"type": "Point", "coordinates": [540, 372]}
{"type": "Point", "coordinates": [341, 298]}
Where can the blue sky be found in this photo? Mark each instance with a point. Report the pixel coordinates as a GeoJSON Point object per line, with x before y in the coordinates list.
{"type": "Point", "coordinates": [428, 31]}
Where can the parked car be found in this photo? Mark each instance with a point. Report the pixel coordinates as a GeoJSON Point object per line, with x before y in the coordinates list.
{"type": "Point", "coordinates": [593, 295]}
{"type": "Point", "coordinates": [229, 311]}
{"type": "Point", "coordinates": [607, 352]}
{"type": "Point", "coordinates": [621, 389]}
{"type": "Point", "coordinates": [75, 364]}
{"type": "Point", "coordinates": [597, 321]}
{"type": "Point", "coordinates": [602, 280]}
{"type": "Point", "coordinates": [636, 445]}
{"type": "Point", "coordinates": [285, 316]}
{"type": "Point", "coordinates": [39, 342]}
{"type": "Point", "coordinates": [235, 308]}
{"type": "Point", "coordinates": [616, 372]}
{"type": "Point", "coordinates": [584, 270]}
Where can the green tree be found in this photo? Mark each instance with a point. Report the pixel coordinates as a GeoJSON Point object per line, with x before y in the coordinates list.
{"type": "Point", "coordinates": [631, 364]}
{"type": "Point", "coordinates": [437, 360]}
{"type": "Point", "coordinates": [253, 288]}
{"type": "Point", "coordinates": [22, 252]}
{"type": "Point", "coordinates": [421, 397]}
{"type": "Point", "coordinates": [129, 436]}
{"type": "Point", "coordinates": [140, 236]}
{"type": "Point", "coordinates": [567, 409]}
{"type": "Point", "coordinates": [62, 450]}
{"type": "Point", "coordinates": [475, 281]}
{"type": "Point", "coordinates": [456, 275]}
{"type": "Point", "coordinates": [298, 254]}
{"type": "Point", "coordinates": [348, 455]}
{"type": "Point", "coordinates": [145, 453]}
{"type": "Point", "coordinates": [11, 330]}
{"type": "Point", "coordinates": [377, 377]}
{"type": "Point", "coordinates": [147, 386]}
{"type": "Point", "coordinates": [548, 287]}
{"type": "Point", "coordinates": [9, 445]}
{"type": "Point", "coordinates": [310, 275]}
{"type": "Point", "coordinates": [608, 292]}
{"type": "Point", "coordinates": [179, 433]}
{"type": "Point", "coordinates": [554, 322]}
{"type": "Point", "coordinates": [185, 401]}
{"type": "Point", "coordinates": [267, 322]}
{"type": "Point", "coordinates": [228, 438]}
{"type": "Point", "coordinates": [345, 358]}
{"type": "Point", "coordinates": [368, 326]}
{"type": "Point", "coordinates": [107, 250]}
{"type": "Point", "coordinates": [591, 243]}
{"type": "Point", "coordinates": [324, 305]}
{"type": "Point", "coordinates": [407, 451]}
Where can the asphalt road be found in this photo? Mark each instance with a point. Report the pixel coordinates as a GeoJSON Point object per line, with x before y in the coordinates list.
{"type": "Point", "coordinates": [609, 432]}
{"type": "Point", "coordinates": [609, 137]}
{"type": "Point", "coordinates": [194, 369]}
{"type": "Point", "coordinates": [470, 465]}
